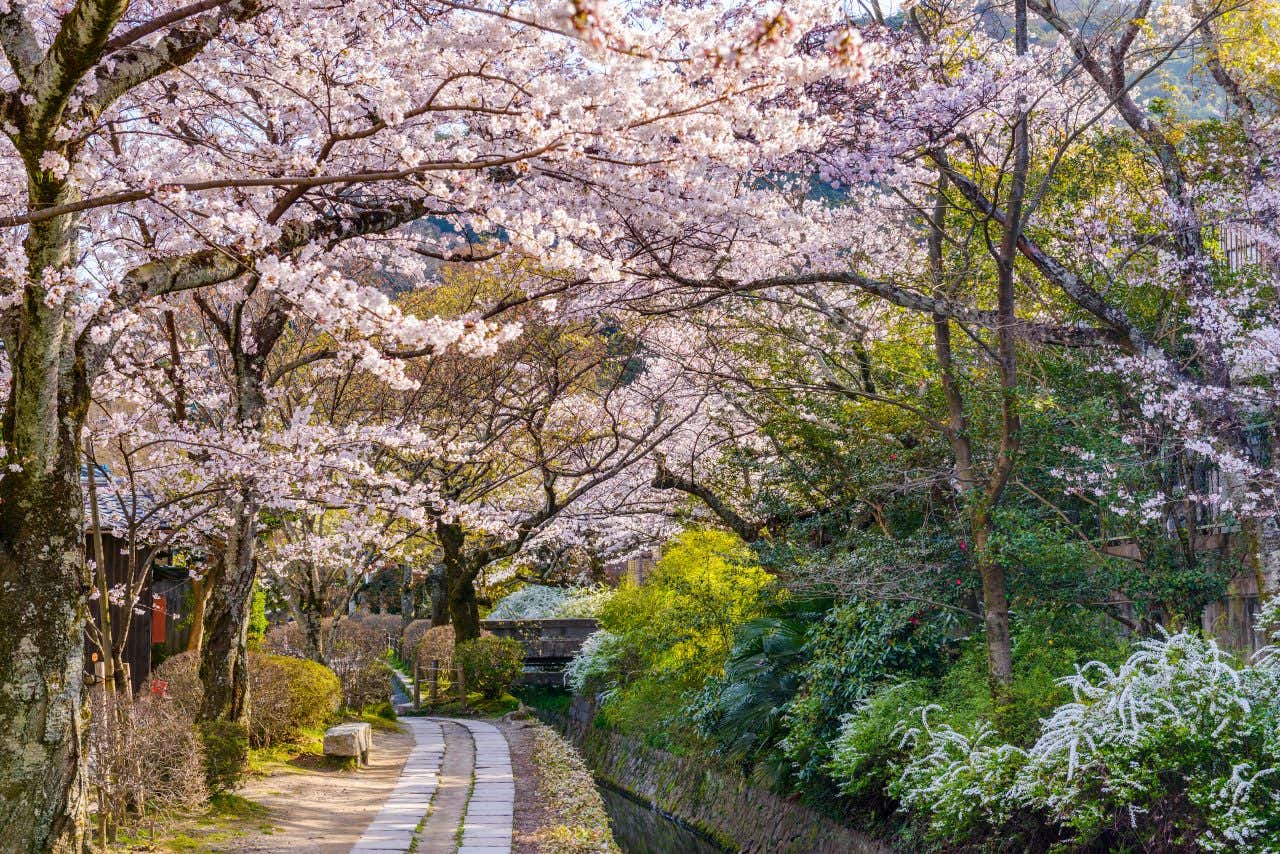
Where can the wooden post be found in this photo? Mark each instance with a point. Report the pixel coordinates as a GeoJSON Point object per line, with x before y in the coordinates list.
{"type": "Point", "coordinates": [100, 676]}
{"type": "Point", "coordinates": [435, 682]}
{"type": "Point", "coordinates": [417, 685]}
{"type": "Point", "coordinates": [462, 684]}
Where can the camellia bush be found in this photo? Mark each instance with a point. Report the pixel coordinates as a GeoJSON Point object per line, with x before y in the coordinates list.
{"type": "Point", "coordinates": [1176, 749]}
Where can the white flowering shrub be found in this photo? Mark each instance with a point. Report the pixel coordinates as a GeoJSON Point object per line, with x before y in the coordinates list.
{"type": "Point", "coordinates": [593, 667]}
{"type": "Point", "coordinates": [584, 603]}
{"type": "Point", "coordinates": [1178, 748]}
{"type": "Point", "coordinates": [960, 782]}
{"type": "Point", "coordinates": [1268, 626]}
{"type": "Point", "coordinates": [535, 602]}
{"type": "Point", "coordinates": [540, 602]}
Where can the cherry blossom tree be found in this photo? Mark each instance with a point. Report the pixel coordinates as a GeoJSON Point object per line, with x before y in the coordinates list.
{"type": "Point", "coordinates": [969, 135]}
{"type": "Point", "coordinates": [245, 146]}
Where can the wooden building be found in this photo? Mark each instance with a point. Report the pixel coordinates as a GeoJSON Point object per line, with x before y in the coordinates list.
{"type": "Point", "coordinates": [155, 617]}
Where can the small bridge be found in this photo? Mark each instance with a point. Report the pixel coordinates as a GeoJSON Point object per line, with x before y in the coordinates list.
{"type": "Point", "coordinates": [548, 645]}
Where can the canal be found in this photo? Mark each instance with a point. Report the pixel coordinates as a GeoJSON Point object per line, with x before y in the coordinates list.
{"type": "Point", "coordinates": [640, 829]}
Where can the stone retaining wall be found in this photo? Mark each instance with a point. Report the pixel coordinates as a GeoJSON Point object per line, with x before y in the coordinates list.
{"type": "Point", "coordinates": [718, 801]}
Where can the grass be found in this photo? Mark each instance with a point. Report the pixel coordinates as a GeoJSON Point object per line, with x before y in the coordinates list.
{"type": "Point", "coordinates": [476, 706]}
{"type": "Point", "coordinates": [546, 698]}
{"type": "Point", "coordinates": [284, 757]}
{"type": "Point", "coordinates": [225, 817]}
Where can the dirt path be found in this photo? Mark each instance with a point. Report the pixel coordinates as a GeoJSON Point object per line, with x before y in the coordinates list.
{"type": "Point", "coordinates": [530, 813]}
{"type": "Point", "coordinates": [322, 811]}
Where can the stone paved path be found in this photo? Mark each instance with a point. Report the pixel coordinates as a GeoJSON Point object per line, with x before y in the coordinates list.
{"type": "Point", "coordinates": [461, 770]}
{"type": "Point", "coordinates": [439, 834]}
{"type": "Point", "coordinates": [487, 826]}
{"type": "Point", "coordinates": [393, 828]}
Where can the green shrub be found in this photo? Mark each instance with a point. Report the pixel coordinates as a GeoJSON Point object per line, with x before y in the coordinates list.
{"type": "Point", "coordinates": [1175, 750]}
{"type": "Point", "coordinates": [288, 695]}
{"type": "Point", "coordinates": [226, 754]}
{"type": "Point", "coordinates": [858, 647]}
{"type": "Point", "coordinates": [668, 636]}
{"type": "Point", "coordinates": [257, 629]}
{"type": "Point", "coordinates": [490, 665]}
{"type": "Point", "coordinates": [743, 712]}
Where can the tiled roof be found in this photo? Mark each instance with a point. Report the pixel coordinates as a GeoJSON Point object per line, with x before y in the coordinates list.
{"type": "Point", "coordinates": [114, 510]}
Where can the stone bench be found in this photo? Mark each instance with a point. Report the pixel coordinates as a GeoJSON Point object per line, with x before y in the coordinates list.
{"type": "Point", "coordinates": [349, 741]}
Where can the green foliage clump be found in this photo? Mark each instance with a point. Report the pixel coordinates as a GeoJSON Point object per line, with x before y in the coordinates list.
{"type": "Point", "coordinates": [287, 696]}
{"type": "Point", "coordinates": [674, 632]}
{"type": "Point", "coordinates": [867, 752]}
{"type": "Point", "coordinates": [226, 754]}
{"type": "Point", "coordinates": [490, 665]}
{"type": "Point", "coordinates": [858, 646]}
{"type": "Point", "coordinates": [257, 629]}
{"type": "Point", "coordinates": [1177, 749]}
{"type": "Point", "coordinates": [743, 712]}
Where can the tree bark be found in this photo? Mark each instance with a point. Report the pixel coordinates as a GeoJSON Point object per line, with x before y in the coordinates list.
{"type": "Point", "coordinates": [995, 609]}
{"type": "Point", "coordinates": [406, 597]}
{"type": "Point", "coordinates": [224, 661]}
{"type": "Point", "coordinates": [310, 620]}
{"type": "Point", "coordinates": [199, 598]}
{"type": "Point", "coordinates": [44, 588]}
{"type": "Point", "coordinates": [439, 597]}
{"type": "Point", "coordinates": [464, 611]}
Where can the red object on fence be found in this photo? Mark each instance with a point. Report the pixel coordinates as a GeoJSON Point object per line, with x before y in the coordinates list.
{"type": "Point", "coordinates": [159, 615]}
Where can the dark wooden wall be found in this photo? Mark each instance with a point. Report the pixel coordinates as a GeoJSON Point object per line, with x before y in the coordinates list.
{"type": "Point", "coordinates": [138, 647]}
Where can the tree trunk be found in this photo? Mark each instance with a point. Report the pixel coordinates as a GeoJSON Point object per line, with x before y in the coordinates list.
{"type": "Point", "coordinates": [224, 662]}
{"type": "Point", "coordinates": [199, 597]}
{"type": "Point", "coordinates": [439, 597]}
{"type": "Point", "coordinates": [464, 611]}
{"type": "Point", "coordinates": [44, 579]}
{"type": "Point", "coordinates": [310, 621]}
{"type": "Point", "coordinates": [995, 610]}
{"type": "Point", "coordinates": [44, 587]}
{"type": "Point", "coordinates": [407, 597]}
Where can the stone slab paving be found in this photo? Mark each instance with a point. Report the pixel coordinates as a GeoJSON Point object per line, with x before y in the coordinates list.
{"type": "Point", "coordinates": [392, 829]}
{"type": "Point", "coordinates": [465, 766]}
{"type": "Point", "coordinates": [439, 834]}
{"type": "Point", "coordinates": [486, 829]}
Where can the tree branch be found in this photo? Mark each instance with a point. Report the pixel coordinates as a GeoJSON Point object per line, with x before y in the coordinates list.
{"type": "Point", "coordinates": [665, 478]}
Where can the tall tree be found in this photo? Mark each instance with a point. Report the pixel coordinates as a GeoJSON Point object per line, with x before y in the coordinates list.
{"type": "Point", "coordinates": [159, 148]}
